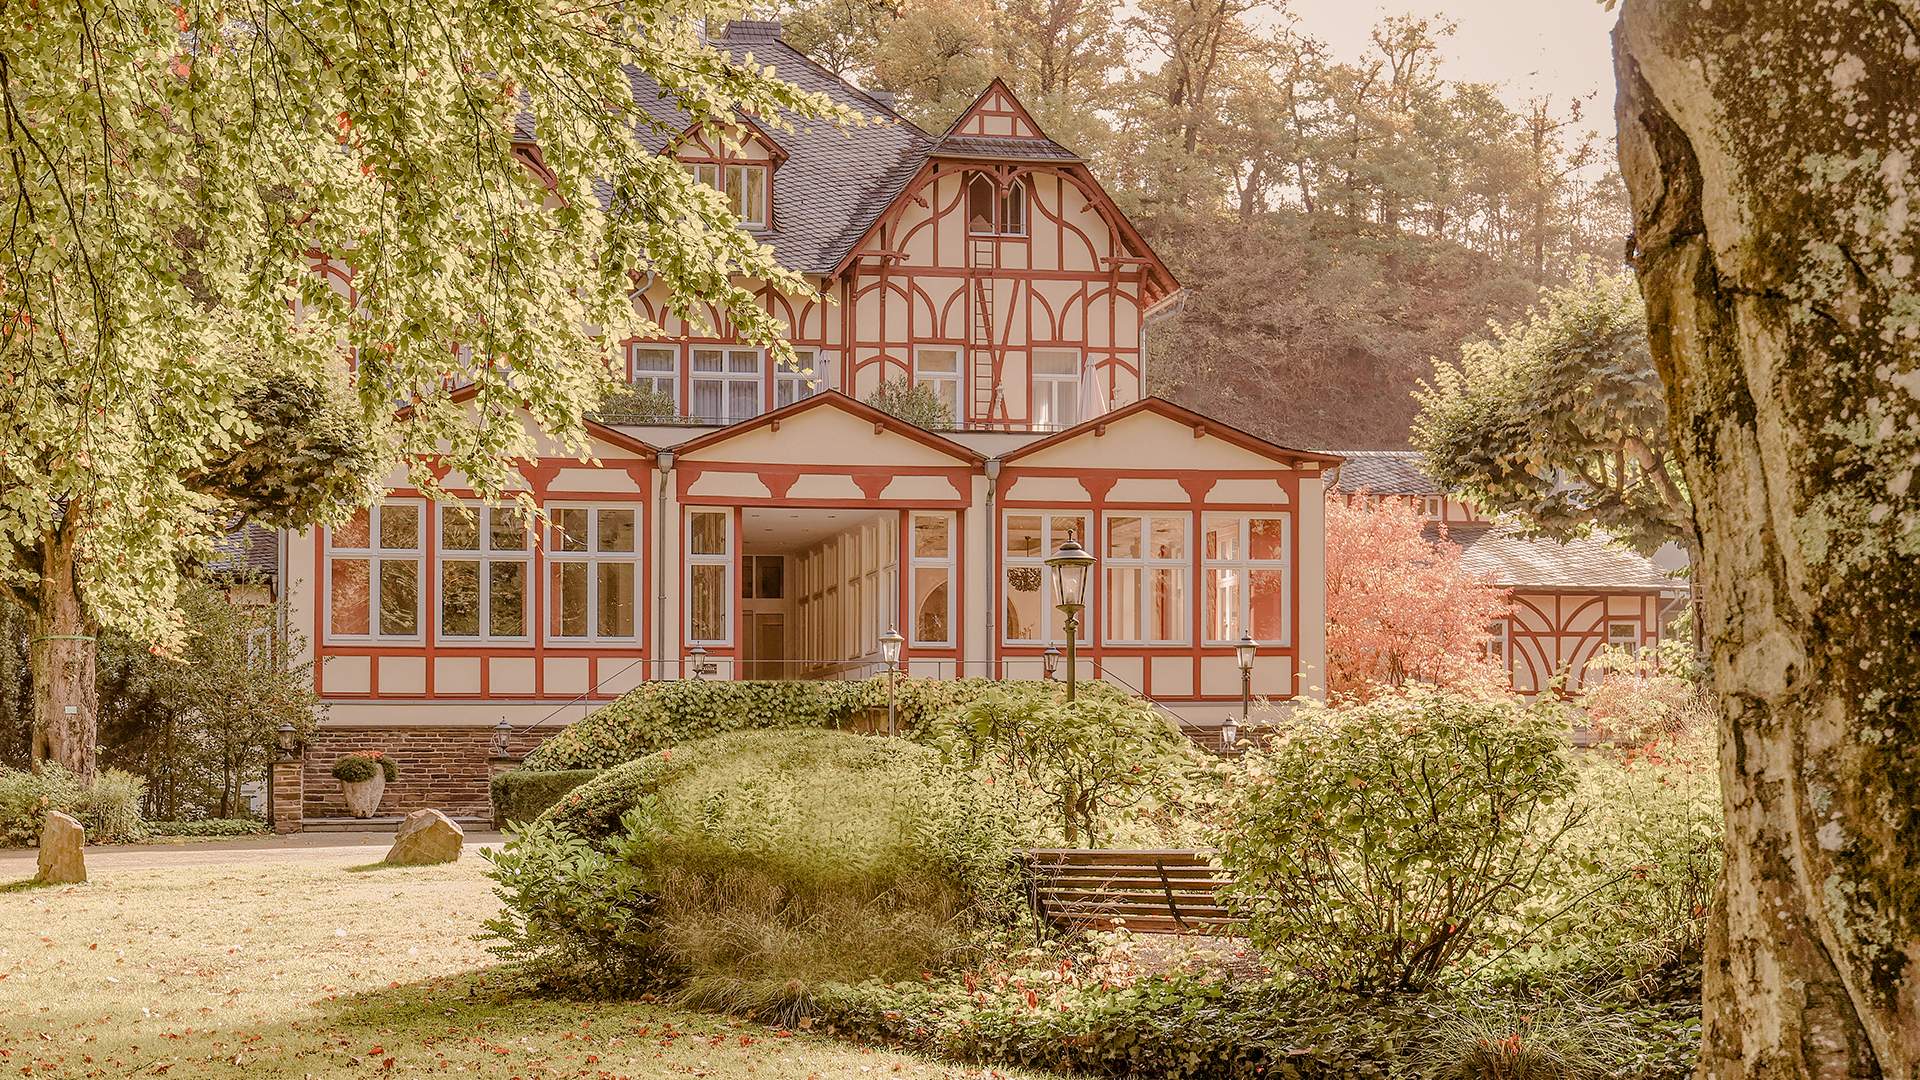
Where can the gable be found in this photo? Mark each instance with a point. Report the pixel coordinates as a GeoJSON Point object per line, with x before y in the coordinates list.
{"type": "Point", "coordinates": [1146, 441]}
{"type": "Point", "coordinates": [823, 431]}
{"type": "Point", "coordinates": [997, 114]}
{"type": "Point", "coordinates": [747, 143]}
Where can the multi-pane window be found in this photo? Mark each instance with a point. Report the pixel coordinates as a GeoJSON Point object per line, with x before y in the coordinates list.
{"type": "Point", "coordinates": [373, 573]}
{"type": "Point", "coordinates": [1624, 635]}
{"type": "Point", "coordinates": [725, 385]}
{"type": "Point", "coordinates": [745, 187]}
{"type": "Point", "coordinates": [1432, 505]}
{"type": "Point", "coordinates": [1244, 578]}
{"type": "Point", "coordinates": [657, 368]}
{"type": "Point", "coordinates": [992, 209]}
{"type": "Point", "coordinates": [709, 562]}
{"type": "Point", "coordinates": [484, 560]}
{"type": "Point", "coordinates": [801, 377]}
{"type": "Point", "coordinates": [1056, 389]}
{"type": "Point", "coordinates": [938, 369]}
{"type": "Point", "coordinates": [1497, 643]}
{"type": "Point", "coordinates": [592, 574]}
{"type": "Point", "coordinates": [932, 569]}
{"type": "Point", "coordinates": [1028, 540]}
{"type": "Point", "coordinates": [1146, 565]}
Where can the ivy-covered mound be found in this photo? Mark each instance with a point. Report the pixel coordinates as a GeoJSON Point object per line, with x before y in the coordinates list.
{"type": "Point", "coordinates": [747, 869]}
{"type": "Point", "coordinates": [657, 715]}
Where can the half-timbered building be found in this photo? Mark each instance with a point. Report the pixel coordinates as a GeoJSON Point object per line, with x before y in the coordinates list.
{"type": "Point", "coordinates": [776, 527]}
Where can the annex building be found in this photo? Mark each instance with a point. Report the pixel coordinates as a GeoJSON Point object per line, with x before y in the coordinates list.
{"type": "Point", "coordinates": [777, 528]}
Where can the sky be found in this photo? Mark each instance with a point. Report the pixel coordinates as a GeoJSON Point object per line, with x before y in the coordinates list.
{"type": "Point", "coordinates": [1528, 47]}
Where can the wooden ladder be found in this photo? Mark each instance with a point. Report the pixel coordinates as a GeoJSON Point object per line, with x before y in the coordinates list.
{"type": "Point", "coordinates": [984, 361]}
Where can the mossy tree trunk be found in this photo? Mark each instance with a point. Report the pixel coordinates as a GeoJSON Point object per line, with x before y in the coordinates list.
{"type": "Point", "coordinates": [1769, 149]}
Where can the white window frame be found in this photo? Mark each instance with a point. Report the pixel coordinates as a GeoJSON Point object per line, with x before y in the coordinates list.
{"type": "Point", "coordinates": [917, 562]}
{"type": "Point", "coordinates": [1632, 645]}
{"type": "Point", "coordinates": [1049, 543]}
{"type": "Point", "coordinates": [1499, 644]}
{"type": "Point", "coordinates": [1147, 563]}
{"type": "Point", "coordinates": [592, 558]}
{"type": "Point", "coordinates": [1056, 385]}
{"type": "Point", "coordinates": [727, 378]}
{"type": "Point", "coordinates": [486, 557]}
{"type": "Point", "coordinates": [716, 174]}
{"type": "Point", "coordinates": [1433, 506]}
{"type": "Point", "coordinates": [666, 382]}
{"type": "Point", "coordinates": [729, 583]}
{"type": "Point", "coordinates": [1014, 192]}
{"type": "Point", "coordinates": [373, 554]}
{"type": "Point", "coordinates": [1245, 564]}
{"type": "Point", "coordinates": [955, 378]}
{"type": "Point", "coordinates": [801, 386]}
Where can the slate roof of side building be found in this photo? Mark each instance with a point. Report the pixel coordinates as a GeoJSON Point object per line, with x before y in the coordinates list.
{"type": "Point", "coordinates": [835, 182]}
{"type": "Point", "coordinates": [1499, 551]}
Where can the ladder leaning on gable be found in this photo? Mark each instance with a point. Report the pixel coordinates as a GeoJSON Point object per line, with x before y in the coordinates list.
{"type": "Point", "coordinates": [984, 383]}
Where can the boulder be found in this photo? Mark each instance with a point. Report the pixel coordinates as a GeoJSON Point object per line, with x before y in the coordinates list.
{"type": "Point", "coordinates": [426, 837]}
{"type": "Point", "coordinates": [60, 841]}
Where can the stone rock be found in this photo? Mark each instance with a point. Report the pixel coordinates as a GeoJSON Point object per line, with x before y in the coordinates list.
{"type": "Point", "coordinates": [426, 837]}
{"type": "Point", "coordinates": [60, 842]}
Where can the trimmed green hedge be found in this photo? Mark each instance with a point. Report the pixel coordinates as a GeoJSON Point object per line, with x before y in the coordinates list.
{"type": "Point", "coordinates": [523, 795]}
{"type": "Point", "coordinates": [657, 715]}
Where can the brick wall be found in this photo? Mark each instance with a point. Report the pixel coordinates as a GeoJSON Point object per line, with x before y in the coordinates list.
{"type": "Point", "coordinates": [284, 787]}
{"type": "Point", "coordinates": [441, 768]}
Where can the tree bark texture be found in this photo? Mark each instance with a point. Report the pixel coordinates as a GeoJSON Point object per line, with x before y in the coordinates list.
{"type": "Point", "coordinates": [62, 655]}
{"type": "Point", "coordinates": [1770, 151]}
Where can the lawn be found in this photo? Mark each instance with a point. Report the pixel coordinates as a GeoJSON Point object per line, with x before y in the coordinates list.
{"type": "Point", "coordinates": [322, 968]}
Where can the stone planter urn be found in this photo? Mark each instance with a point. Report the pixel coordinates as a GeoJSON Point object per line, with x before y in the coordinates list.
{"type": "Point", "coordinates": [363, 777]}
{"type": "Point", "coordinates": [363, 798]}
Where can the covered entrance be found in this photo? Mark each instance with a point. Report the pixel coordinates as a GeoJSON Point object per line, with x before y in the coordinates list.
{"type": "Point", "coordinates": [818, 588]}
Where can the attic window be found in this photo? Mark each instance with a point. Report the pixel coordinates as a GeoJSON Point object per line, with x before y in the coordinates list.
{"type": "Point", "coordinates": [745, 187]}
{"type": "Point", "coordinates": [994, 211]}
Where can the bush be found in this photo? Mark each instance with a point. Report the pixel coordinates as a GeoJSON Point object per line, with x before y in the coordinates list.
{"type": "Point", "coordinates": [208, 827]}
{"type": "Point", "coordinates": [749, 868]}
{"type": "Point", "coordinates": [656, 715]}
{"type": "Point", "coordinates": [110, 810]}
{"type": "Point", "coordinates": [1376, 844]}
{"type": "Point", "coordinates": [917, 405]}
{"type": "Point", "coordinates": [361, 765]}
{"type": "Point", "coordinates": [522, 795]}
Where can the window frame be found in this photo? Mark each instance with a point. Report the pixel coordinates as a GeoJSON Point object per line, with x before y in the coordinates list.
{"type": "Point", "coordinates": [1246, 564]}
{"type": "Point", "coordinates": [373, 555]}
{"type": "Point", "coordinates": [720, 172]}
{"type": "Point", "coordinates": [819, 360]}
{"type": "Point", "coordinates": [1633, 646]}
{"type": "Point", "coordinates": [1070, 384]}
{"type": "Point", "coordinates": [485, 556]}
{"type": "Point", "coordinates": [956, 377]}
{"type": "Point", "coordinates": [671, 377]}
{"type": "Point", "coordinates": [1013, 193]}
{"type": "Point", "coordinates": [727, 379]}
{"type": "Point", "coordinates": [1048, 545]}
{"type": "Point", "coordinates": [593, 558]}
{"type": "Point", "coordinates": [917, 562]}
{"type": "Point", "coordinates": [729, 582]}
{"type": "Point", "coordinates": [1145, 564]}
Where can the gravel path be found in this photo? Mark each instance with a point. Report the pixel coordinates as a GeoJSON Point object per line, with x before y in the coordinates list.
{"type": "Point", "coordinates": [298, 847]}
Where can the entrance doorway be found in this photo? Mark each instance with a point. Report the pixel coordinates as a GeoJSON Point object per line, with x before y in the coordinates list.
{"type": "Point", "coordinates": [818, 588]}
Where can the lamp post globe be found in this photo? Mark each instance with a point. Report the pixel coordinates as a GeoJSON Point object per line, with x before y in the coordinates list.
{"type": "Point", "coordinates": [890, 643]}
{"type": "Point", "coordinates": [1244, 651]}
{"type": "Point", "coordinates": [1070, 566]}
{"type": "Point", "coordinates": [697, 660]}
{"type": "Point", "coordinates": [1050, 661]}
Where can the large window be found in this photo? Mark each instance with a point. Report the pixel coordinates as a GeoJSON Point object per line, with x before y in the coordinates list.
{"type": "Point", "coordinates": [801, 377]}
{"type": "Point", "coordinates": [1245, 578]}
{"type": "Point", "coordinates": [1028, 540]}
{"type": "Point", "coordinates": [1056, 389]}
{"type": "Point", "coordinates": [709, 563]}
{"type": "Point", "coordinates": [725, 385]}
{"type": "Point", "coordinates": [938, 369]}
{"type": "Point", "coordinates": [932, 558]}
{"type": "Point", "coordinates": [657, 368]}
{"type": "Point", "coordinates": [592, 574]}
{"type": "Point", "coordinates": [484, 560]}
{"type": "Point", "coordinates": [992, 209]}
{"type": "Point", "coordinates": [373, 573]}
{"type": "Point", "coordinates": [1146, 571]}
{"type": "Point", "coordinates": [745, 187]}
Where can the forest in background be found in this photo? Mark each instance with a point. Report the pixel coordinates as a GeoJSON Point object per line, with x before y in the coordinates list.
{"type": "Point", "coordinates": [1338, 221]}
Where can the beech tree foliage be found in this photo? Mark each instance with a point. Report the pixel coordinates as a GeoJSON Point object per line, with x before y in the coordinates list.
{"type": "Point", "coordinates": [172, 360]}
{"type": "Point", "coordinates": [1562, 418]}
{"type": "Point", "coordinates": [1400, 608]}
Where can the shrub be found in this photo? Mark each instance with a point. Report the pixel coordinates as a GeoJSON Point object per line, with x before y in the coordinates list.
{"type": "Point", "coordinates": [110, 810]}
{"type": "Point", "coordinates": [1375, 844]}
{"type": "Point", "coordinates": [361, 765]}
{"type": "Point", "coordinates": [751, 867]}
{"type": "Point", "coordinates": [208, 827]}
{"type": "Point", "coordinates": [523, 795]}
{"type": "Point", "coordinates": [917, 405]}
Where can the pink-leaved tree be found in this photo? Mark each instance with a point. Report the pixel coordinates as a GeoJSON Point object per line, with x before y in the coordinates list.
{"type": "Point", "coordinates": [1400, 607]}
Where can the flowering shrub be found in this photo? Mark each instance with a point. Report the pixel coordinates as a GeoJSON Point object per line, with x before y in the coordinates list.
{"type": "Point", "coordinates": [362, 765]}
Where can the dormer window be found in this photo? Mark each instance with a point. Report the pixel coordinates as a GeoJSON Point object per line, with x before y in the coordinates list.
{"type": "Point", "coordinates": [996, 211]}
{"type": "Point", "coordinates": [745, 187]}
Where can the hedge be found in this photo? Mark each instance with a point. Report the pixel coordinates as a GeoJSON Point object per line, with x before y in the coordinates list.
{"type": "Point", "coordinates": [657, 715]}
{"type": "Point", "coordinates": [523, 795]}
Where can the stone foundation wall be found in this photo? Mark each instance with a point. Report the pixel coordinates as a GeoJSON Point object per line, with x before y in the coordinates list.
{"type": "Point", "coordinates": [440, 768]}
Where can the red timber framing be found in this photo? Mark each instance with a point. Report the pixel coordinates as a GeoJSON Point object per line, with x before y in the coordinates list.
{"type": "Point", "coordinates": [1556, 632]}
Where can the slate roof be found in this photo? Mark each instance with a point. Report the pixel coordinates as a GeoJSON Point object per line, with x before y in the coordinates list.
{"type": "Point", "coordinates": [1596, 562]}
{"type": "Point", "coordinates": [1383, 472]}
{"type": "Point", "coordinates": [249, 549]}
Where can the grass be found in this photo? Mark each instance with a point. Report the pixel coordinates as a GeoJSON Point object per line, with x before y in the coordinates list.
{"type": "Point", "coordinates": [314, 969]}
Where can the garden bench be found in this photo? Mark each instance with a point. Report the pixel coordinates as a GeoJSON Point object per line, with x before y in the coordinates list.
{"type": "Point", "coordinates": [1161, 892]}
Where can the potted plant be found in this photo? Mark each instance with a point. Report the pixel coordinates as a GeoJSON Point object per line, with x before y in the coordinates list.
{"type": "Point", "coordinates": [363, 776]}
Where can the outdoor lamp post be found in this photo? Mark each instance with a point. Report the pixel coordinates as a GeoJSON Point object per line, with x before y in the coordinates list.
{"type": "Point", "coordinates": [1070, 565]}
{"type": "Point", "coordinates": [287, 739]}
{"type": "Point", "coordinates": [1050, 660]}
{"type": "Point", "coordinates": [697, 657]}
{"type": "Point", "coordinates": [1244, 650]}
{"type": "Point", "coordinates": [502, 734]}
{"type": "Point", "coordinates": [890, 643]}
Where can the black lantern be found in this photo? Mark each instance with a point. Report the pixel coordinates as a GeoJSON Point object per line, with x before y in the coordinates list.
{"type": "Point", "coordinates": [1051, 660]}
{"type": "Point", "coordinates": [1244, 650]}
{"type": "Point", "coordinates": [287, 739]}
{"type": "Point", "coordinates": [697, 660]}
{"type": "Point", "coordinates": [1070, 565]}
{"type": "Point", "coordinates": [1229, 733]}
{"type": "Point", "coordinates": [502, 735]}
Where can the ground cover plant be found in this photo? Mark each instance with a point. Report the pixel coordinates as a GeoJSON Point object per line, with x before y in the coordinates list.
{"type": "Point", "coordinates": [329, 968]}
